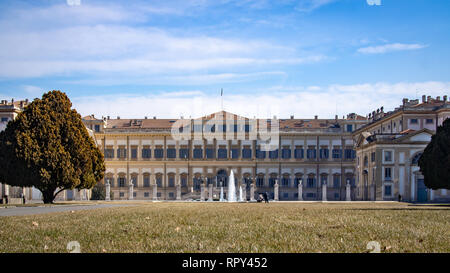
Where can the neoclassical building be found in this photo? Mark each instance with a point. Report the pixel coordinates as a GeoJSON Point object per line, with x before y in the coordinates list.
{"type": "Point", "coordinates": [349, 158]}
{"type": "Point", "coordinates": [316, 154]}
{"type": "Point", "coordinates": [389, 147]}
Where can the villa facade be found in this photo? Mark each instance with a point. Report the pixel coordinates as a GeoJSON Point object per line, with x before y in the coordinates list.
{"type": "Point", "coordinates": [349, 158]}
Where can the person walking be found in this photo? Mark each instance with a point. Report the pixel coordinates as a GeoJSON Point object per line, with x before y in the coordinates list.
{"type": "Point", "coordinates": [266, 199]}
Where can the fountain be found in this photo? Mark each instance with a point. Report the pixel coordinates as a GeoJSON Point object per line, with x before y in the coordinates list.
{"type": "Point", "coordinates": [221, 194]}
{"type": "Point", "coordinates": [240, 194]}
{"type": "Point", "coordinates": [231, 194]}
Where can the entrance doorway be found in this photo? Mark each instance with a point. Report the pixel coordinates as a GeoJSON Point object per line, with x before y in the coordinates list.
{"type": "Point", "coordinates": [421, 191]}
{"type": "Point", "coordinates": [222, 178]}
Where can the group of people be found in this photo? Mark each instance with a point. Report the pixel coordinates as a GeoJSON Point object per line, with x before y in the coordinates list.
{"type": "Point", "coordinates": [263, 197]}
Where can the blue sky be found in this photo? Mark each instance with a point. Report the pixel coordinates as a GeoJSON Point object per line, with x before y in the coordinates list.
{"type": "Point", "coordinates": [171, 58]}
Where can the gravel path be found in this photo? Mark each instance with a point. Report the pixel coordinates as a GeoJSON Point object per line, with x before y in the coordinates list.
{"type": "Point", "coordinates": [16, 211]}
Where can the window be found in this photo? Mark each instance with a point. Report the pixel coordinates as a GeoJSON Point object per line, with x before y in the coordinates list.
{"type": "Point", "coordinates": [97, 128]}
{"type": "Point", "coordinates": [349, 154]}
{"type": "Point", "coordinates": [260, 181]}
{"type": "Point", "coordinates": [366, 161]}
{"type": "Point", "coordinates": [336, 181]}
{"type": "Point", "coordinates": [414, 121]}
{"type": "Point", "coordinates": [285, 195]}
{"type": "Point", "coordinates": [273, 154]}
{"type": "Point", "coordinates": [170, 194]}
{"type": "Point", "coordinates": [133, 153]}
{"type": "Point", "coordinates": [324, 153]}
{"type": "Point", "coordinates": [171, 153]}
{"type": "Point", "coordinates": [146, 194]}
{"type": "Point", "coordinates": [146, 153]}
{"type": "Point", "coordinates": [285, 181]}
{"type": "Point", "coordinates": [121, 194]}
{"type": "Point", "coordinates": [4, 119]}
{"type": "Point", "coordinates": [134, 194]}
{"type": "Point", "coordinates": [388, 190]}
{"type": "Point", "coordinates": [311, 153]}
{"type": "Point", "coordinates": [349, 127]}
{"type": "Point", "coordinates": [121, 153]}
{"type": "Point", "coordinates": [221, 153]}
{"type": "Point", "coordinates": [210, 153]}
{"type": "Point", "coordinates": [337, 153]}
{"type": "Point", "coordinates": [387, 173]}
{"type": "Point", "coordinates": [310, 182]}
{"type": "Point", "coordinates": [234, 153]}
{"type": "Point", "coordinates": [429, 120]}
{"type": "Point", "coordinates": [198, 153]}
{"type": "Point", "coordinates": [184, 153]}
{"type": "Point", "coordinates": [260, 154]}
{"type": "Point", "coordinates": [372, 156]}
{"type": "Point", "coordinates": [184, 181]}
{"type": "Point", "coordinates": [121, 181]}
{"type": "Point", "coordinates": [286, 153]}
{"type": "Point", "coordinates": [388, 156]}
{"type": "Point", "coordinates": [171, 181]}
{"type": "Point", "coordinates": [159, 181]}
{"type": "Point", "coordinates": [310, 195]}
{"type": "Point", "coordinates": [298, 153]}
{"type": "Point", "coordinates": [247, 128]}
{"type": "Point", "coordinates": [159, 153]}
{"type": "Point", "coordinates": [109, 153]}
{"type": "Point", "coordinates": [146, 181]}
{"type": "Point", "coordinates": [324, 180]}
{"type": "Point", "coordinates": [246, 153]}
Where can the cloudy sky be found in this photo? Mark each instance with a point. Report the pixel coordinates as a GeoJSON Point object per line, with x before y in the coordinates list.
{"type": "Point", "coordinates": [171, 58]}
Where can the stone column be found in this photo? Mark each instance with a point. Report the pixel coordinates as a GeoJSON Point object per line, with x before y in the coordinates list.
{"type": "Point", "coordinates": [252, 192]}
{"type": "Point", "coordinates": [348, 197]}
{"type": "Point", "coordinates": [202, 192]}
{"type": "Point", "coordinates": [210, 188]}
{"type": "Point", "coordinates": [300, 190]}
{"type": "Point", "coordinates": [108, 191]}
{"type": "Point", "coordinates": [275, 191]}
{"type": "Point", "coordinates": [178, 191]}
{"type": "Point", "coordinates": [130, 191]}
{"type": "Point", "coordinates": [324, 191]}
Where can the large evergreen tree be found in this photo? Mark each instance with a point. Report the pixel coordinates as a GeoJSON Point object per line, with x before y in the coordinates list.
{"type": "Point", "coordinates": [435, 160]}
{"type": "Point", "coordinates": [47, 146]}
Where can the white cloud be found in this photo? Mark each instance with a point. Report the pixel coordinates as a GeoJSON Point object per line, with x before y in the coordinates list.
{"type": "Point", "coordinates": [310, 5]}
{"type": "Point", "coordinates": [389, 48]}
{"type": "Point", "coordinates": [283, 101]}
{"type": "Point", "coordinates": [32, 90]}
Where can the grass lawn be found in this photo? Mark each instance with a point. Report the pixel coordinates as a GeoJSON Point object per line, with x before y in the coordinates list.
{"type": "Point", "coordinates": [233, 227]}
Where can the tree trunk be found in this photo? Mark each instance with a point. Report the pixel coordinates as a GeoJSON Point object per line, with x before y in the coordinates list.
{"type": "Point", "coordinates": [48, 196]}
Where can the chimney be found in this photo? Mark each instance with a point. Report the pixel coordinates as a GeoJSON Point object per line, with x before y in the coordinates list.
{"type": "Point", "coordinates": [405, 101]}
{"type": "Point", "coordinates": [145, 117]}
{"type": "Point", "coordinates": [292, 116]}
{"type": "Point", "coordinates": [429, 99]}
{"type": "Point", "coordinates": [336, 117]}
{"type": "Point", "coordinates": [382, 109]}
{"type": "Point", "coordinates": [316, 117]}
{"type": "Point", "coordinates": [423, 98]}
{"type": "Point", "coordinates": [445, 98]}
{"type": "Point", "coordinates": [107, 117]}
{"type": "Point", "coordinates": [118, 117]}
{"type": "Point", "coordinates": [154, 117]}
{"type": "Point", "coordinates": [438, 98]}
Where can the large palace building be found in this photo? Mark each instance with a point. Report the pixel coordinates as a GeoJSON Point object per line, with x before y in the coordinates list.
{"type": "Point", "coordinates": [353, 158]}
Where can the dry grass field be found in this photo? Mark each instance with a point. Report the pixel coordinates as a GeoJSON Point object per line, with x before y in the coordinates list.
{"type": "Point", "coordinates": [233, 227]}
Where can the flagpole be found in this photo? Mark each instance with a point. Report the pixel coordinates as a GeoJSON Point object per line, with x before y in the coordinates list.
{"type": "Point", "coordinates": [221, 97]}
